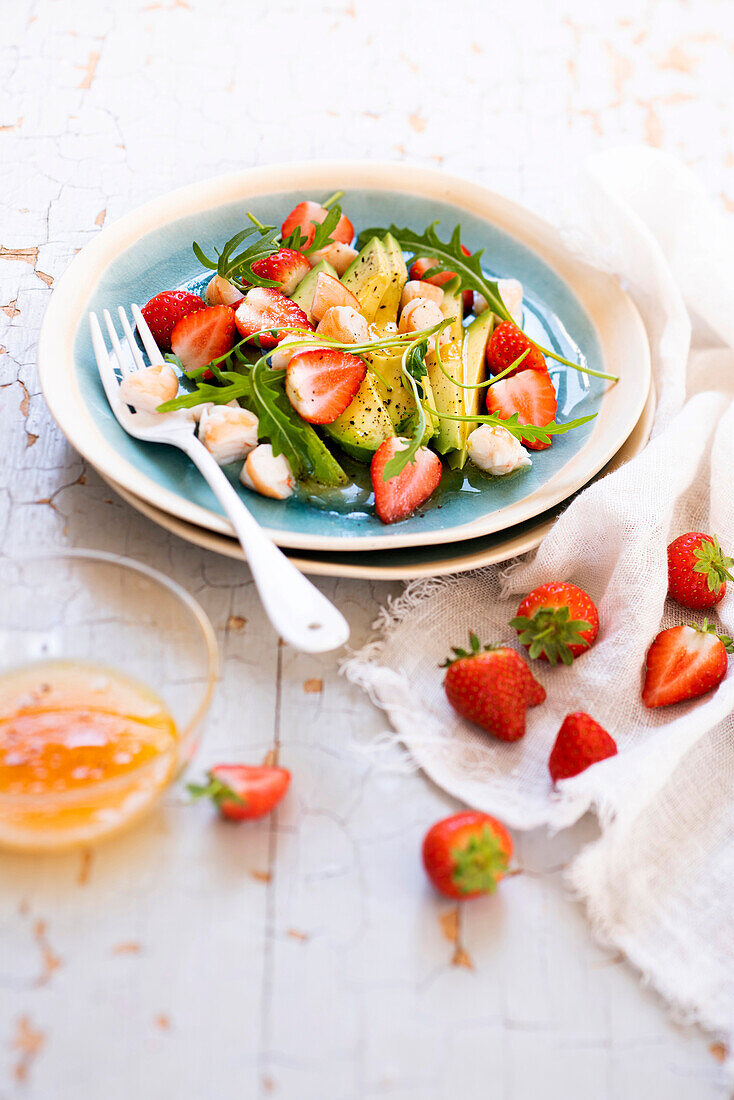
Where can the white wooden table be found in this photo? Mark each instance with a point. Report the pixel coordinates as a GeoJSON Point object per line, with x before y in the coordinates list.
{"type": "Point", "coordinates": [305, 957]}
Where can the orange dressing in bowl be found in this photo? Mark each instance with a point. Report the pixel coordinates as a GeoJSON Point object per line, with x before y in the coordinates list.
{"type": "Point", "coordinates": [83, 750]}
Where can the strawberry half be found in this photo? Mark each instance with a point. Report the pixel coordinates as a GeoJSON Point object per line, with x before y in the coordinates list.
{"type": "Point", "coordinates": [321, 383]}
{"type": "Point", "coordinates": [202, 336]}
{"type": "Point", "coordinates": [684, 662]}
{"type": "Point", "coordinates": [493, 687]}
{"type": "Point", "coordinates": [286, 267]}
{"type": "Point", "coordinates": [697, 570]}
{"type": "Point", "coordinates": [581, 742]}
{"type": "Point", "coordinates": [266, 308]}
{"type": "Point", "coordinates": [304, 216]}
{"type": "Point", "coordinates": [556, 621]}
{"type": "Point", "coordinates": [530, 394]}
{"type": "Point", "coordinates": [241, 791]}
{"type": "Point", "coordinates": [506, 344]}
{"type": "Point", "coordinates": [399, 496]}
{"type": "Point", "coordinates": [419, 268]}
{"type": "Point", "coordinates": [165, 310]}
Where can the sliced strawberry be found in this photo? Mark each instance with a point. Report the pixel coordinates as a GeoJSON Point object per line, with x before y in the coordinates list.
{"type": "Point", "coordinates": [399, 496]}
{"type": "Point", "coordinates": [165, 310]}
{"type": "Point", "coordinates": [330, 292]}
{"type": "Point", "coordinates": [286, 267]}
{"type": "Point", "coordinates": [682, 663]}
{"type": "Point", "coordinates": [506, 345]}
{"type": "Point", "coordinates": [266, 308]}
{"type": "Point", "coordinates": [202, 336]}
{"type": "Point", "coordinates": [306, 214]}
{"type": "Point", "coordinates": [321, 383]}
{"type": "Point", "coordinates": [581, 742]}
{"type": "Point", "coordinates": [243, 791]}
{"type": "Point", "coordinates": [419, 267]}
{"type": "Point", "coordinates": [530, 394]}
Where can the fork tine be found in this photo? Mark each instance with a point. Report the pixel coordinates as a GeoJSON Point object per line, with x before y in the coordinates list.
{"type": "Point", "coordinates": [123, 361]}
{"type": "Point", "coordinates": [146, 336]}
{"type": "Point", "coordinates": [132, 342]}
{"type": "Point", "coordinates": [104, 365]}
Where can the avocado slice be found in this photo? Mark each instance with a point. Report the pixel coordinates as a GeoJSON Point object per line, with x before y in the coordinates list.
{"type": "Point", "coordinates": [448, 397]}
{"type": "Point", "coordinates": [364, 425]}
{"type": "Point", "coordinates": [304, 292]}
{"type": "Point", "coordinates": [368, 277]}
{"type": "Point", "coordinates": [387, 311]}
{"type": "Point", "coordinates": [476, 337]}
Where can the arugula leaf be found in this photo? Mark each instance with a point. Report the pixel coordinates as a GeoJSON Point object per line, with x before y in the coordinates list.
{"type": "Point", "coordinates": [322, 234]}
{"type": "Point", "coordinates": [449, 256]}
{"type": "Point", "coordinates": [414, 368]}
{"type": "Point", "coordinates": [236, 386]}
{"type": "Point", "coordinates": [237, 266]}
{"type": "Point", "coordinates": [530, 432]}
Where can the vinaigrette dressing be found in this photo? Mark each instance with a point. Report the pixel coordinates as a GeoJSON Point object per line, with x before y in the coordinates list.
{"type": "Point", "coordinates": [83, 749]}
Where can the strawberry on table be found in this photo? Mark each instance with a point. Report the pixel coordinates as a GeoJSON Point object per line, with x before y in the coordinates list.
{"type": "Point", "coordinates": [530, 394]}
{"type": "Point", "coordinates": [466, 855]}
{"type": "Point", "coordinates": [286, 267]}
{"type": "Point", "coordinates": [493, 687]}
{"type": "Point", "coordinates": [506, 344]}
{"type": "Point", "coordinates": [581, 742]}
{"type": "Point", "coordinates": [266, 308]}
{"type": "Point", "coordinates": [202, 336]}
{"type": "Point", "coordinates": [243, 791]}
{"type": "Point", "coordinates": [697, 570]}
{"type": "Point", "coordinates": [556, 621]}
{"type": "Point", "coordinates": [165, 310]}
{"type": "Point", "coordinates": [683, 663]}
{"type": "Point", "coordinates": [305, 214]}
{"type": "Point", "coordinates": [322, 383]}
{"type": "Point", "coordinates": [399, 496]}
{"type": "Point", "coordinates": [419, 268]}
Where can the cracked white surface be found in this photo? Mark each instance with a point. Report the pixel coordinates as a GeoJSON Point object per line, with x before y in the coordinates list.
{"type": "Point", "coordinates": [304, 957]}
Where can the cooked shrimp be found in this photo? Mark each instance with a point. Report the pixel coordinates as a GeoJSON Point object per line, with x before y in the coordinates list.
{"type": "Point", "coordinates": [150, 387]}
{"type": "Point", "coordinates": [229, 434]}
{"type": "Point", "coordinates": [267, 474]}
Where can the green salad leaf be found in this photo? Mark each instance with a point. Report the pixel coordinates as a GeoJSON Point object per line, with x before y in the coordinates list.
{"type": "Point", "coordinates": [236, 266]}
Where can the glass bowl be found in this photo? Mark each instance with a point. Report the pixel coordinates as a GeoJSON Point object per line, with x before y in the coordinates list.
{"type": "Point", "coordinates": [119, 615]}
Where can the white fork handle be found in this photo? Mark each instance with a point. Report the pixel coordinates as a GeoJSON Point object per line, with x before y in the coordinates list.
{"type": "Point", "coordinates": [300, 613]}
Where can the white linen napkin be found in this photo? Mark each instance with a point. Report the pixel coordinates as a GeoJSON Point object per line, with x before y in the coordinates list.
{"type": "Point", "coordinates": [659, 883]}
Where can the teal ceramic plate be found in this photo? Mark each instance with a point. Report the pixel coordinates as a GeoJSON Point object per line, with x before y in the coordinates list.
{"type": "Point", "coordinates": [580, 312]}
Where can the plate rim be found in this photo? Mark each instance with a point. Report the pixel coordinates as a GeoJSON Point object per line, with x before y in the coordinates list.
{"type": "Point", "coordinates": [73, 289]}
{"type": "Point", "coordinates": [522, 543]}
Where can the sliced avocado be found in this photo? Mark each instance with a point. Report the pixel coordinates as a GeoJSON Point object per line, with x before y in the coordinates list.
{"type": "Point", "coordinates": [368, 277]}
{"type": "Point", "coordinates": [326, 469]}
{"type": "Point", "coordinates": [304, 292]}
{"type": "Point", "coordinates": [396, 397]}
{"type": "Point", "coordinates": [476, 336]}
{"type": "Point", "coordinates": [363, 426]}
{"type": "Point", "coordinates": [448, 397]}
{"type": "Point", "coordinates": [387, 311]}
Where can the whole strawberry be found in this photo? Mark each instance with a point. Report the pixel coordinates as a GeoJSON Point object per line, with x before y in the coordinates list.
{"type": "Point", "coordinates": [557, 621]}
{"type": "Point", "coordinates": [506, 344]}
{"type": "Point", "coordinates": [492, 687]}
{"type": "Point", "coordinates": [467, 854]}
{"type": "Point", "coordinates": [697, 570]}
{"type": "Point", "coordinates": [165, 310]}
{"type": "Point", "coordinates": [581, 742]}
{"type": "Point", "coordinates": [683, 663]}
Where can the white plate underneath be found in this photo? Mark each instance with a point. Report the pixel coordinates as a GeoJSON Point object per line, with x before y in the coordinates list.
{"type": "Point", "coordinates": [425, 561]}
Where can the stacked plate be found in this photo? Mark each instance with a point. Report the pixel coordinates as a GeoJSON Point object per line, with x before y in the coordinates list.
{"type": "Point", "coordinates": [472, 520]}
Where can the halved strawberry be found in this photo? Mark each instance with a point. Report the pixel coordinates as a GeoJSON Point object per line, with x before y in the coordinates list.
{"type": "Point", "coordinates": [202, 336]}
{"type": "Point", "coordinates": [506, 345]}
{"type": "Point", "coordinates": [306, 214]}
{"type": "Point", "coordinates": [419, 267]}
{"type": "Point", "coordinates": [286, 266]}
{"type": "Point", "coordinates": [399, 496]}
{"type": "Point", "coordinates": [243, 791]}
{"type": "Point", "coordinates": [266, 308]}
{"type": "Point", "coordinates": [165, 310]}
{"type": "Point", "coordinates": [321, 383]}
{"type": "Point", "coordinates": [530, 394]}
{"type": "Point", "coordinates": [684, 662]}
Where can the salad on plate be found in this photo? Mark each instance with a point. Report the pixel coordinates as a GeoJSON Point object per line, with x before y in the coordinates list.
{"type": "Point", "coordinates": [312, 357]}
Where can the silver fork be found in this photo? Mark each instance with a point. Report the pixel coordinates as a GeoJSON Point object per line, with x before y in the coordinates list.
{"type": "Point", "coordinates": [298, 611]}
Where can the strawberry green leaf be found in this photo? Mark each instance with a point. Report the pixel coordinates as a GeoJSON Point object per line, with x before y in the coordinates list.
{"type": "Point", "coordinates": [479, 864]}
